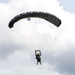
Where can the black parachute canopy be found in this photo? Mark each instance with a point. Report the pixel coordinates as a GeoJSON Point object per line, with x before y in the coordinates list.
{"type": "Point", "coordinates": [46, 16]}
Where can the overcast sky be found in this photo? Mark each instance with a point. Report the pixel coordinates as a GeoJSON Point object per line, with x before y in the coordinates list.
{"type": "Point", "coordinates": [17, 45]}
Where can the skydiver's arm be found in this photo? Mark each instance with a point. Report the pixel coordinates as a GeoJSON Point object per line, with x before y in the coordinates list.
{"type": "Point", "coordinates": [40, 54]}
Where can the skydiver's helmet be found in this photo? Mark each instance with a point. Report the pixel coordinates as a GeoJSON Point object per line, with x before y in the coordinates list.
{"type": "Point", "coordinates": [37, 53]}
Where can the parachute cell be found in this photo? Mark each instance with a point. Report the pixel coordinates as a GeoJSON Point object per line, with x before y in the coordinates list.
{"type": "Point", "coordinates": [46, 16]}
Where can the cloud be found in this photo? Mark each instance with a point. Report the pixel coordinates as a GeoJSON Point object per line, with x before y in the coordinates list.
{"type": "Point", "coordinates": [66, 61]}
{"type": "Point", "coordinates": [17, 45]}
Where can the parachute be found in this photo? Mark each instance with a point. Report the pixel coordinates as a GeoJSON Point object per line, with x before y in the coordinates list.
{"type": "Point", "coordinates": [46, 16]}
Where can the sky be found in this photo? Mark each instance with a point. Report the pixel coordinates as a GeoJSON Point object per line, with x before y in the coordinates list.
{"type": "Point", "coordinates": [68, 5]}
{"type": "Point", "coordinates": [18, 45]}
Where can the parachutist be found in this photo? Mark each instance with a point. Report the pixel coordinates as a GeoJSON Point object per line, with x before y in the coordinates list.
{"type": "Point", "coordinates": [38, 56]}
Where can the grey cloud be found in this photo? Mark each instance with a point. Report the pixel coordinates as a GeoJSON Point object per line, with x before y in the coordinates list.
{"type": "Point", "coordinates": [8, 49]}
{"type": "Point", "coordinates": [64, 62]}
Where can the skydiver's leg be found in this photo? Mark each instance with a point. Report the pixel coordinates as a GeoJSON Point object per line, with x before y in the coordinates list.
{"type": "Point", "coordinates": [40, 62]}
{"type": "Point", "coordinates": [37, 62]}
